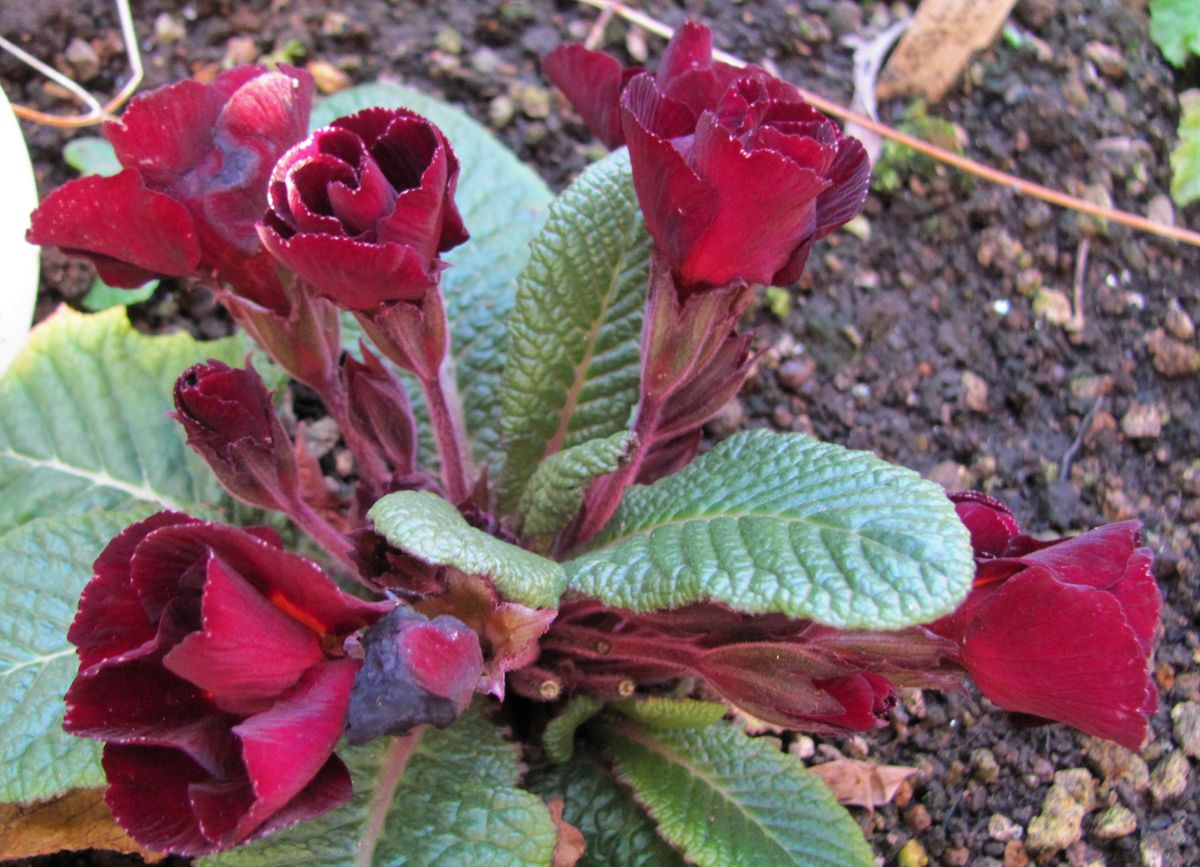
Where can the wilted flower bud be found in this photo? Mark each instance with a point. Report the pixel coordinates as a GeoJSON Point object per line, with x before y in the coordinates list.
{"type": "Point", "coordinates": [231, 423]}
{"type": "Point", "coordinates": [415, 671]}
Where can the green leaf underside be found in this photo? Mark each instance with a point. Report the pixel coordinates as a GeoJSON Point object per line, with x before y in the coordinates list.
{"type": "Point", "coordinates": [47, 561]}
{"type": "Point", "coordinates": [1185, 158]}
{"type": "Point", "coordinates": [454, 803]}
{"type": "Point", "coordinates": [618, 832]}
{"type": "Point", "coordinates": [672, 713]}
{"type": "Point", "coordinates": [783, 523]}
{"type": "Point", "coordinates": [573, 358]}
{"type": "Point", "coordinates": [555, 492]}
{"type": "Point", "coordinates": [727, 800]}
{"type": "Point", "coordinates": [431, 529]}
{"type": "Point", "coordinates": [1175, 29]}
{"type": "Point", "coordinates": [83, 425]}
{"type": "Point", "coordinates": [503, 204]}
{"type": "Point", "coordinates": [558, 740]}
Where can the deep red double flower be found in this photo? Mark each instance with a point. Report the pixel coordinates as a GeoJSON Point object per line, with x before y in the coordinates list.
{"type": "Point", "coordinates": [1063, 629]}
{"type": "Point", "coordinates": [196, 161]}
{"type": "Point", "coordinates": [362, 208]}
{"type": "Point", "coordinates": [211, 665]}
{"type": "Point", "coordinates": [736, 174]}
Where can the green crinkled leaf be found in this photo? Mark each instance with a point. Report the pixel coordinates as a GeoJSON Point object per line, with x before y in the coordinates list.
{"type": "Point", "coordinates": [1185, 158]}
{"type": "Point", "coordinates": [455, 802]}
{"type": "Point", "coordinates": [618, 832]}
{"type": "Point", "coordinates": [783, 523]}
{"type": "Point", "coordinates": [555, 492]}
{"type": "Point", "coordinates": [82, 422]}
{"type": "Point", "coordinates": [47, 561]}
{"type": "Point", "coordinates": [91, 155]}
{"type": "Point", "coordinates": [1175, 29]}
{"type": "Point", "coordinates": [431, 529]}
{"type": "Point", "coordinates": [558, 740]}
{"type": "Point", "coordinates": [504, 204]}
{"type": "Point", "coordinates": [573, 358]}
{"type": "Point", "coordinates": [725, 799]}
{"type": "Point", "coordinates": [672, 713]}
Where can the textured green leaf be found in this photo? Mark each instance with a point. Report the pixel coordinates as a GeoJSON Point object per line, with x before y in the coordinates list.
{"type": "Point", "coordinates": [726, 800]}
{"type": "Point", "coordinates": [672, 713]}
{"type": "Point", "coordinates": [504, 205]}
{"type": "Point", "coordinates": [573, 356]}
{"type": "Point", "coordinates": [82, 422]}
{"type": "Point", "coordinates": [618, 832]}
{"type": "Point", "coordinates": [783, 523]}
{"type": "Point", "coordinates": [454, 803]}
{"type": "Point", "coordinates": [1185, 158]}
{"type": "Point", "coordinates": [431, 529]}
{"type": "Point", "coordinates": [46, 561]}
{"type": "Point", "coordinates": [558, 740]}
{"type": "Point", "coordinates": [555, 492]}
{"type": "Point", "coordinates": [91, 155]}
{"type": "Point", "coordinates": [1175, 29]}
{"type": "Point", "coordinates": [101, 296]}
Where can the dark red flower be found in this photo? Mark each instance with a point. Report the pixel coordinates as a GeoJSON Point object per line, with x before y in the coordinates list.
{"type": "Point", "coordinates": [211, 665]}
{"type": "Point", "coordinates": [1060, 630]}
{"type": "Point", "coordinates": [736, 174]}
{"type": "Point", "coordinates": [416, 671]}
{"type": "Point", "coordinates": [230, 421]}
{"type": "Point", "coordinates": [362, 208]}
{"type": "Point", "coordinates": [196, 161]}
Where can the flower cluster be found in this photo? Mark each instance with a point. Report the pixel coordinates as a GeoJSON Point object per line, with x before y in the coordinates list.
{"type": "Point", "coordinates": [221, 671]}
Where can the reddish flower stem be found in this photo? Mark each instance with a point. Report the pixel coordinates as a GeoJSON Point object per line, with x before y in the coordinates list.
{"type": "Point", "coordinates": [449, 429]}
{"type": "Point", "coordinates": [323, 533]}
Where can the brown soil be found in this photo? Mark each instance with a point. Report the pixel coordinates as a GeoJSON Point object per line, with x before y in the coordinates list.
{"type": "Point", "coordinates": [920, 341]}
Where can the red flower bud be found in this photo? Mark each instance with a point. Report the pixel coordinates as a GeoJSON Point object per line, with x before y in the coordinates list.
{"type": "Point", "coordinates": [196, 161]}
{"type": "Point", "coordinates": [210, 664]}
{"type": "Point", "coordinates": [363, 207]}
{"type": "Point", "coordinates": [415, 671]}
{"type": "Point", "coordinates": [380, 409]}
{"type": "Point", "coordinates": [230, 422]}
{"type": "Point", "coordinates": [1094, 675]}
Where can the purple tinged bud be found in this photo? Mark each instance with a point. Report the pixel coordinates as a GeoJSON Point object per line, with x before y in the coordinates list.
{"type": "Point", "coordinates": [415, 671]}
{"type": "Point", "coordinates": [231, 423]}
{"type": "Point", "coordinates": [380, 409]}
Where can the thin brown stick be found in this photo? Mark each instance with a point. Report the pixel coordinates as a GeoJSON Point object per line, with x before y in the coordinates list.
{"type": "Point", "coordinates": [962, 163]}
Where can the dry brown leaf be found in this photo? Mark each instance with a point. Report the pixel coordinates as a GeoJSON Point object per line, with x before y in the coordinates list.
{"type": "Point", "coordinates": [862, 784]}
{"type": "Point", "coordinates": [935, 49]}
{"type": "Point", "coordinates": [570, 844]}
{"type": "Point", "coordinates": [78, 820]}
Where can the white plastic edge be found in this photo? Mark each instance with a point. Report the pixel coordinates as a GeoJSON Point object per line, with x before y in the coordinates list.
{"type": "Point", "coordinates": [19, 280]}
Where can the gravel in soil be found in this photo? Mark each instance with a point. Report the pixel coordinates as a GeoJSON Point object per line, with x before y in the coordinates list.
{"type": "Point", "coordinates": [944, 333]}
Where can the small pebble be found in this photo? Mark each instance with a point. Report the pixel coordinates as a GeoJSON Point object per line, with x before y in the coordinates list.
{"type": "Point", "coordinates": [912, 854]}
{"type": "Point", "coordinates": [1186, 719]}
{"type": "Point", "coordinates": [1169, 779]}
{"type": "Point", "coordinates": [168, 29]}
{"type": "Point", "coordinates": [1116, 821]}
{"type": "Point", "coordinates": [1142, 421]}
{"type": "Point", "coordinates": [1172, 358]}
{"type": "Point", "coordinates": [1002, 828]}
{"type": "Point", "coordinates": [83, 58]}
{"type": "Point", "coordinates": [327, 77]}
{"type": "Point", "coordinates": [984, 766]}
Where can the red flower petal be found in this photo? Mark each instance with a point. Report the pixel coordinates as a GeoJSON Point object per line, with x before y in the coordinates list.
{"type": "Point", "coordinates": [991, 524]}
{"type": "Point", "coordinates": [118, 222]}
{"type": "Point", "coordinates": [849, 177]}
{"type": "Point", "coordinates": [1092, 676]}
{"type": "Point", "coordinates": [166, 132]}
{"type": "Point", "coordinates": [591, 82]}
{"type": "Point", "coordinates": [148, 794]}
{"type": "Point", "coordinates": [248, 651]}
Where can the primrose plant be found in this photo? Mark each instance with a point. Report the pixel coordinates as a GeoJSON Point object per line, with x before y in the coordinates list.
{"type": "Point", "coordinates": [540, 613]}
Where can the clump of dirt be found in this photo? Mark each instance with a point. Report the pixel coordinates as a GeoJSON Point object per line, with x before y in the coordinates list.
{"type": "Point", "coordinates": [987, 340]}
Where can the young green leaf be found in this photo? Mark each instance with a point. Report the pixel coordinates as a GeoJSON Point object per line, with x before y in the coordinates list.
{"type": "Point", "coordinates": [555, 491]}
{"type": "Point", "coordinates": [503, 204]}
{"type": "Point", "coordinates": [558, 740]}
{"type": "Point", "coordinates": [573, 356]}
{"type": "Point", "coordinates": [1185, 159]}
{"type": "Point", "coordinates": [1175, 29]}
{"type": "Point", "coordinates": [618, 832]}
{"type": "Point", "coordinates": [83, 425]}
{"type": "Point", "coordinates": [672, 713]}
{"type": "Point", "coordinates": [783, 523]}
{"type": "Point", "coordinates": [46, 563]}
{"type": "Point", "coordinates": [431, 529]}
{"type": "Point", "coordinates": [101, 296]}
{"type": "Point", "coordinates": [449, 798]}
{"type": "Point", "coordinates": [91, 155]}
{"type": "Point", "coordinates": [726, 799]}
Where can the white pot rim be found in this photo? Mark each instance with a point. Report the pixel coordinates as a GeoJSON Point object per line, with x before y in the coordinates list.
{"type": "Point", "coordinates": [20, 283]}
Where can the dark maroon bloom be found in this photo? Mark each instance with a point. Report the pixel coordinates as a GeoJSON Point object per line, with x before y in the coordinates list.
{"type": "Point", "coordinates": [211, 665]}
{"type": "Point", "coordinates": [416, 671]}
{"type": "Point", "coordinates": [231, 423]}
{"type": "Point", "coordinates": [1060, 630]}
{"type": "Point", "coordinates": [196, 161]}
{"type": "Point", "coordinates": [362, 208]}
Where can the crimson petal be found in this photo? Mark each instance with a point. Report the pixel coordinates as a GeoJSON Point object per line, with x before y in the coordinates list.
{"type": "Point", "coordinates": [591, 82]}
{"type": "Point", "coordinates": [148, 794]}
